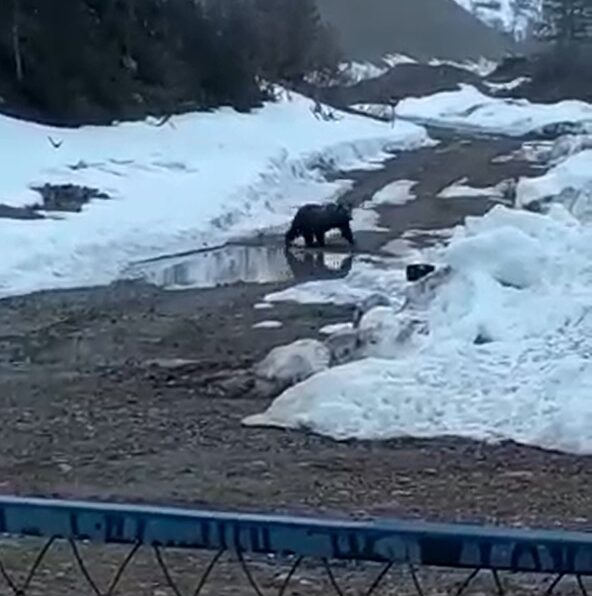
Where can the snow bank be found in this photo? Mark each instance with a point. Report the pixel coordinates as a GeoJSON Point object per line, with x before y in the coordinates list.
{"type": "Point", "coordinates": [569, 182]}
{"type": "Point", "coordinates": [198, 179]}
{"type": "Point", "coordinates": [469, 109]}
{"type": "Point", "coordinates": [498, 349]}
{"type": "Point", "coordinates": [461, 190]}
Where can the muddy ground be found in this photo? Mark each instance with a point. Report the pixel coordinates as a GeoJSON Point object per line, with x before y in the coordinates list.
{"type": "Point", "coordinates": [87, 412]}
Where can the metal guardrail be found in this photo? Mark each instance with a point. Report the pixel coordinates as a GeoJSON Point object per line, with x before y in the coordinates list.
{"type": "Point", "coordinates": [280, 549]}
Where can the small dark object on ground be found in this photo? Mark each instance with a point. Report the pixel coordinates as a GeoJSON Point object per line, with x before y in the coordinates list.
{"type": "Point", "coordinates": [313, 221]}
{"type": "Point", "coordinates": [418, 270]}
{"type": "Point", "coordinates": [66, 197]}
{"type": "Point", "coordinates": [26, 213]}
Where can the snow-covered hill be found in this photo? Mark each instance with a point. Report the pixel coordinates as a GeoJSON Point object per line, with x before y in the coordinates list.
{"type": "Point", "coordinates": [511, 16]}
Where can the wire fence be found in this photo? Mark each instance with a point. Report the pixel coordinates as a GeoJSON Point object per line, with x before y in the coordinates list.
{"type": "Point", "coordinates": [50, 548]}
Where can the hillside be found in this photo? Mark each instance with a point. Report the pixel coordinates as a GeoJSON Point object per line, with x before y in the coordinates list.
{"type": "Point", "coordinates": [515, 17]}
{"type": "Point", "coordinates": [424, 29]}
{"type": "Point", "coordinates": [95, 62]}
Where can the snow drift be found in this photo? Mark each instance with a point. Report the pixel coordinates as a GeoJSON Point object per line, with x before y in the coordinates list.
{"type": "Point", "coordinates": [469, 109]}
{"type": "Point", "coordinates": [569, 183]}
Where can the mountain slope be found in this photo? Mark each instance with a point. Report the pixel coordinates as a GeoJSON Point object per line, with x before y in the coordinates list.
{"type": "Point", "coordinates": [514, 17]}
{"type": "Point", "coordinates": [424, 29]}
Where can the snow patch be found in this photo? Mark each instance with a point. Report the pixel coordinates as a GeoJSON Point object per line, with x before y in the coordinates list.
{"type": "Point", "coordinates": [459, 189]}
{"type": "Point", "coordinates": [395, 193]}
{"type": "Point", "coordinates": [482, 67]}
{"type": "Point", "coordinates": [398, 59]}
{"type": "Point", "coordinates": [568, 182]}
{"type": "Point", "coordinates": [469, 109]}
{"type": "Point", "coordinates": [508, 86]}
{"type": "Point", "coordinates": [335, 328]}
{"type": "Point", "coordinates": [268, 325]}
{"type": "Point", "coordinates": [365, 219]}
{"type": "Point", "coordinates": [352, 73]}
{"type": "Point", "coordinates": [294, 362]}
{"type": "Point", "coordinates": [262, 306]}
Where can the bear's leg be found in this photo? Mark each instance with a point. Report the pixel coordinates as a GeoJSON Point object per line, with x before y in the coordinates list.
{"type": "Point", "coordinates": [308, 239]}
{"type": "Point", "coordinates": [320, 236]}
{"type": "Point", "coordinates": [346, 232]}
{"type": "Point", "coordinates": [291, 235]}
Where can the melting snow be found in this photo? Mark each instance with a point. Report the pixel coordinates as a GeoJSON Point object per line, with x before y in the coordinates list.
{"type": "Point", "coordinates": [395, 193]}
{"type": "Point", "coordinates": [199, 179]}
{"type": "Point", "coordinates": [497, 346]}
{"type": "Point", "coordinates": [469, 109]}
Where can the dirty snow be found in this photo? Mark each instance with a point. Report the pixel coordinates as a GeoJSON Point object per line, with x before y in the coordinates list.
{"type": "Point", "coordinates": [200, 178]}
{"type": "Point", "coordinates": [469, 109]}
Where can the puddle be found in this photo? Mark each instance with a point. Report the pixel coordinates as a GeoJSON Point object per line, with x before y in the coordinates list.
{"type": "Point", "coordinates": [233, 264]}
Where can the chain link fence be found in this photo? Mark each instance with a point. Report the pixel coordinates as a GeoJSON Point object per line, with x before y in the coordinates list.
{"type": "Point", "coordinates": [67, 548]}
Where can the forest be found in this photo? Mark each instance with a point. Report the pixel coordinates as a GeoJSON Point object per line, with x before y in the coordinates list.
{"type": "Point", "coordinates": [70, 62]}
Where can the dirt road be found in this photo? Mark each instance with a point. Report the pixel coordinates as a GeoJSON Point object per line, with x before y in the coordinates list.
{"type": "Point", "coordinates": [88, 413]}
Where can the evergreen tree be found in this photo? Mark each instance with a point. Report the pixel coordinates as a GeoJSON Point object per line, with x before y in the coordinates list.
{"type": "Point", "coordinates": [97, 60]}
{"type": "Point", "coordinates": [566, 21]}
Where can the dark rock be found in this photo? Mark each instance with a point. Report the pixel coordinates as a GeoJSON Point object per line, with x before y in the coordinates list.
{"type": "Point", "coordinates": [559, 129]}
{"type": "Point", "coordinates": [8, 212]}
{"type": "Point", "coordinates": [66, 197]}
{"type": "Point", "coordinates": [418, 270]}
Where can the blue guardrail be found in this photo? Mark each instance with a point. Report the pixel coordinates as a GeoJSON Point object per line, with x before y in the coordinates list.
{"type": "Point", "coordinates": [286, 538]}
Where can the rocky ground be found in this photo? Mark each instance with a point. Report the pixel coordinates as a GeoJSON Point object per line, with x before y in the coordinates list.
{"type": "Point", "coordinates": [96, 403]}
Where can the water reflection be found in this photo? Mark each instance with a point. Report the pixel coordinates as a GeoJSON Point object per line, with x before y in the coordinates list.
{"type": "Point", "coordinates": [232, 264]}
